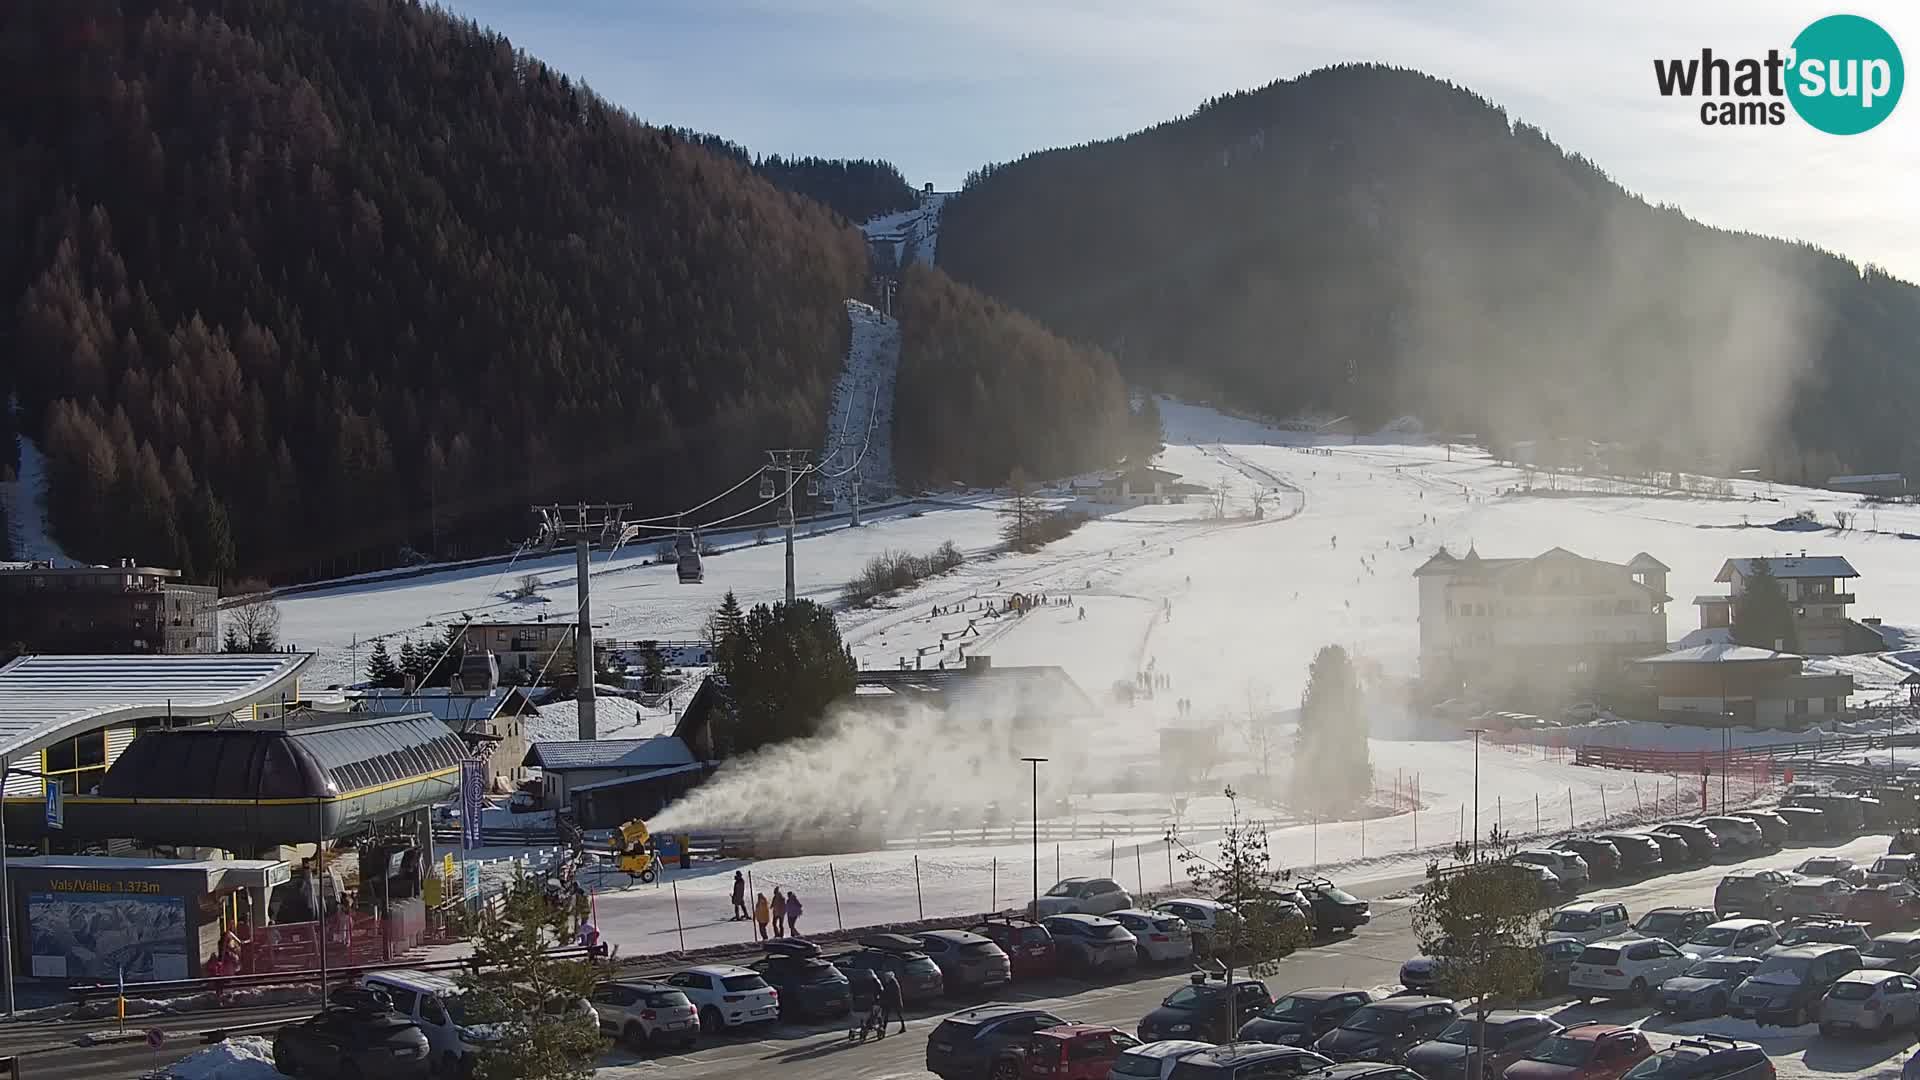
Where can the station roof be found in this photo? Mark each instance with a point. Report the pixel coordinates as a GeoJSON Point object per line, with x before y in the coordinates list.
{"type": "Point", "coordinates": [1719, 653]}
{"type": "Point", "coordinates": [256, 873]}
{"type": "Point", "coordinates": [659, 752]}
{"type": "Point", "coordinates": [44, 699]}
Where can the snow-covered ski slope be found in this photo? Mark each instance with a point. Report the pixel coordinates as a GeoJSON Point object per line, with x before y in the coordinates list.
{"type": "Point", "coordinates": [25, 501]}
{"type": "Point", "coordinates": [914, 234]}
{"type": "Point", "coordinates": [860, 428]}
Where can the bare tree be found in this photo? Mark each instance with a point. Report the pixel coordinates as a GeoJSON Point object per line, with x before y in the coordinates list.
{"type": "Point", "coordinates": [253, 627]}
{"type": "Point", "coordinates": [1257, 727]}
{"type": "Point", "coordinates": [528, 587]}
{"type": "Point", "coordinates": [1023, 513]}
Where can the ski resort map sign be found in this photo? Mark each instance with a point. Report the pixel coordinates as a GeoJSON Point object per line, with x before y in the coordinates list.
{"type": "Point", "coordinates": [473, 800]}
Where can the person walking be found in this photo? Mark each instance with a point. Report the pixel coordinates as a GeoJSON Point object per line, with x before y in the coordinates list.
{"type": "Point", "coordinates": [779, 912]}
{"type": "Point", "coordinates": [739, 896]}
{"type": "Point", "coordinates": [891, 1003]}
{"type": "Point", "coordinates": [793, 913]}
{"type": "Point", "coordinates": [760, 916]}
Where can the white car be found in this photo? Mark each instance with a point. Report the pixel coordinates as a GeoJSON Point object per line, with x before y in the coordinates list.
{"type": "Point", "coordinates": [1632, 968]}
{"type": "Point", "coordinates": [1154, 1060]}
{"type": "Point", "coordinates": [1732, 937]}
{"type": "Point", "coordinates": [646, 1014]}
{"type": "Point", "coordinates": [1163, 937]}
{"type": "Point", "coordinates": [1205, 919]}
{"type": "Point", "coordinates": [727, 996]}
{"type": "Point", "coordinates": [1569, 869]}
{"type": "Point", "coordinates": [1082, 896]}
{"type": "Point", "coordinates": [1587, 922]}
{"type": "Point", "coordinates": [1870, 1001]}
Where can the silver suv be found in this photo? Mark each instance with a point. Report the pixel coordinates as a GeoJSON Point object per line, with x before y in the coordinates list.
{"type": "Point", "coordinates": [646, 1015]}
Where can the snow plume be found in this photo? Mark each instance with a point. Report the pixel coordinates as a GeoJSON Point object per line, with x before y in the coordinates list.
{"type": "Point", "coordinates": [894, 770]}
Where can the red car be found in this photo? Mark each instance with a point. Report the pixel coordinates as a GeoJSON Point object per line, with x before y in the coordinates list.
{"type": "Point", "coordinates": [1067, 1052]}
{"type": "Point", "coordinates": [1028, 945]}
{"type": "Point", "coordinates": [1589, 1051]}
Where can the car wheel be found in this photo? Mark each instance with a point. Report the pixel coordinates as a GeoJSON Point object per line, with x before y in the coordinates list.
{"type": "Point", "coordinates": [283, 1062]}
{"type": "Point", "coordinates": [634, 1036]}
{"type": "Point", "coordinates": [348, 1071]}
{"type": "Point", "coordinates": [1885, 1030]}
{"type": "Point", "coordinates": [710, 1021]}
{"type": "Point", "coordinates": [1141, 956]}
{"type": "Point", "coordinates": [1006, 1069]}
{"type": "Point", "coordinates": [1637, 993]}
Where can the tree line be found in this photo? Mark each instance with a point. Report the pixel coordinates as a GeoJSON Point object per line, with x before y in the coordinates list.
{"type": "Point", "coordinates": [857, 188]}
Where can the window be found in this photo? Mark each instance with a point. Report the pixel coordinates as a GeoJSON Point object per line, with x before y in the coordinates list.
{"type": "Point", "coordinates": [431, 1012]}
{"type": "Point", "coordinates": [78, 764]}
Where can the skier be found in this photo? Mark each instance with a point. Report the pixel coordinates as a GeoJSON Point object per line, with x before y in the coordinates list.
{"type": "Point", "coordinates": [739, 897]}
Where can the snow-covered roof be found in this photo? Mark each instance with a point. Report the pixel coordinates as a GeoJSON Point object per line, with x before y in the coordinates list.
{"type": "Point", "coordinates": [658, 752]}
{"type": "Point", "coordinates": [1719, 653]}
{"type": "Point", "coordinates": [650, 774]}
{"type": "Point", "coordinates": [445, 705]}
{"type": "Point", "coordinates": [1793, 566]}
{"type": "Point", "coordinates": [44, 699]}
{"type": "Point", "coordinates": [1868, 478]}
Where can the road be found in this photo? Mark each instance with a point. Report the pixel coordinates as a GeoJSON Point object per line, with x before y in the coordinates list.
{"type": "Point", "coordinates": [1371, 957]}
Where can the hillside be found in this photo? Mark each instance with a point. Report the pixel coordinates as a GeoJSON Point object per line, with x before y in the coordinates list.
{"type": "Point", "coordinates": [300, 286]}
{"type": "Point", "coordinates": [1374, 242]}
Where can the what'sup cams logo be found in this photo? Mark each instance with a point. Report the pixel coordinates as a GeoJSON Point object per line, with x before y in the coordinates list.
{"type": "Point", "coordinates": [1842, 75]}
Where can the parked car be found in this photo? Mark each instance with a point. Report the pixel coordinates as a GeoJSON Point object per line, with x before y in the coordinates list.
{"type": "Point", "coordinates": [1285, 904]}
{"type": "Point", "coordinates": [1161, 938]}
{"type": "Point", "coordinates": [1237, 1060]}
{"type": "Point", "coordinates": [646, 1015]}
{"type": "Point", "coordinates": [1702, 845]}
{"type": "Point", "coordinates": [1845, 816]}
{"type": "Point", "coordinates": [1385, 1030]}
{"type": "Point", "coordinates": [1705, 1057]}
{"type": "Point", "coordinates": [1153, 1061]}
{"type": "Point", "coordinates": [1090, 943]}
{"type": "Point", "coordinates": [1304, 1015]}
{"type": "Point", "coordinates": [1638, 854]}
{"type": "Point", "coordinates": [1603, 859]}
{"type": "Point", "coordinates": [1431, 974]}
{"type": "Point", "coordinates": [1585, 1051]}
{"type": "Point", "coordinates": [1898, 951]}
{"type": "Point", "coordinates": [1675, 852]}
{"type": "Point", "coordinates": [1732, 937]}
{"type": "Point", "coordinates": [808, 985]}
{"type": "Point", "coordinates": [1334, 908]}
{"type": "Point", "coordinates": [1082, 896]}
{"type": "Point", "coordinates": [1824, 930]}
{"type": "Point", "coordinates": [1751, 892]}
{"type": "Point", "coordinates": [1736, 835]}
{"type": "Point", "coordinates": [919, 977]}
{"type": "Point", "coordinates": [1589, 921]}
{"type": "Point", "coordinates": [1803, 822]}
{"type": "Point", "coordinates": [1451, 1055]}
{"type": "Point", "coordinates": [1206, 919]}
{"type": "Point", "coordinates": [433, 1003]}
{"type": "Point", "coordinates": [1773, 827]}
{"type": "Point", "coordinates": [727, 996]}
{"type": "Point", "coordinates": [1831, 866]}
{"type": "Point", "coordinates": [1066, 1052]}
{"type": "Point", "coordinates": [1787, 986]}
{"type": "Point", "coordinates": [1199, 1010]}
{"type": "Point", "coordinates": [1894, 868]}
{"type": "Point", "coordinates": [1878, 814]}
{"type": "Point", "coordinates": [968, 963]}
{"type": "Point", "coordinates": [1870, 1000]}
{"type": "Point", "coordinates": [1028, 945]}
{"type": "Point", "coordinates": [1705, 988]}
{"type": "Point", "coordinates": [357, 1036]}
{"type": "Point", "coordinates": [1674, 924]}
{"type": "Point", "coordinates": [1816, 896]}
{"type": "Point", "coordinates": [1363, 1070]}
{"type": "Point", "coordinates": [1570, 871]}
{"type": "Point", "coordinates": [1629, 968]}
{"type": "Point", "coordinates": [1884, 903]}
{"type": "Point", "coordinates": [1556, 964]}
{"type": "Point", "coordinates": [965, 1045]}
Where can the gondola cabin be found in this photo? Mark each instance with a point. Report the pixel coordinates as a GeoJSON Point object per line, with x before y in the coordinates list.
{"type": "Point", "coordinates": [687, 548]}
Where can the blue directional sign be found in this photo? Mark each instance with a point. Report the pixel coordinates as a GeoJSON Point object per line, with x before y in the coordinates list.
{"type": "Point", "coordinates": [56, 810]}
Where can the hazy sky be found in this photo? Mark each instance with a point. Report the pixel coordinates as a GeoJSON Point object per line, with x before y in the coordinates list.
{"type": "Point", "coordinates": [940, 89]}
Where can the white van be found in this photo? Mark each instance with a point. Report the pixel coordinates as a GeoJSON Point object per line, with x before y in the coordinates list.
{"type": "Point", "coordinates": [432, 1002]}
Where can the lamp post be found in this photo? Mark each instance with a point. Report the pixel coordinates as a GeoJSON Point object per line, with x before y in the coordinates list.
{"type": "Point", "coordinates": [1035, 762]}
{"type": "Point", "coordinates": [1476, 733]}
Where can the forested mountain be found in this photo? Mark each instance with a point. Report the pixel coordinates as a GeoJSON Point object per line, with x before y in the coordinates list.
{"type": "Point", "coordinates": [859, 188]}
{"type": "Point", "coordinates": [1372, 241]}
{"type": "Point", "coordinates": [312, 282]}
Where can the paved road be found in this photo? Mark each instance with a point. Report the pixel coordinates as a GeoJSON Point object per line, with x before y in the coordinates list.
{"type": "Point", "coordinates": [1371, 957]}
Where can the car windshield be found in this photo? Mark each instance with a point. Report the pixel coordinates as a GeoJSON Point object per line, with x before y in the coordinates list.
{"type": "Point", "coordinates": [1599, 954]}
{"type": "Point", "coordinates": [1782, 970]}
{"type": "Point", "coordinates": [1561, 1050]}
{"type": "Point", "coordinates": [739, 983]}
{"type": "Point", "coordinates": [1681, 1061]}
{"type": "Point", "coordinates": [1339, 895]}
{"type": "Point", "coordinates": [1890, 866]}
{"type": "Point", "coordinates": [1463, 1032]}
{"type": "Point", "coordinates": [1111, 932]}
{"type": "Point", "coordinates": [1535, 860]}
{"type": "Point", "coordinates": [1137, 1065]}
{"type": "Point", "coordinates": [1660, 922]}
{"type": "Point", "coordinates": [1825, 867]}
{"type": "Point", "coordinates": [1375, 1019]}
{"type": "Point", "coordinates": [1889, 948]}
{"type": "Point", "coordinates": [1292, 1008]}
{"type": "Point", "coordinates": [1187, 997]}
{"type": "Point", "coordinates": [1719, 968]}
{"type": "Point", "coordinates": [1850, 991]}
{"type": "Point", "coordinates": [1715, 935]}
{"type": "Point", "coordinates": [456, 1012]}
{"type": "Point", "coordinates": [978, 949]}
{"type": "Point", "coordinates": [1066, 888]}
{"type": "Point", "coordinates": [667, 999]}
{"type": "Point", "coordinates": [1574, 920]}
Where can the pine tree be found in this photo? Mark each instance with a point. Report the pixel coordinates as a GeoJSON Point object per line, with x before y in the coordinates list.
{"type": "Point", "coordinates": [786, 667]}
{"type": "Point", "coordinates": [513, 981]}
{"type": "Point", "coordinates": [723, 631]}
{"type": "Point", "coordinates": [1331, 769]}
{"type": "Point", "coordinates": [230, 642]}
{"type": "Point", "coordinates": [445, 656]}
{"type": "Point", "coordinates": [653, 665]}
{"type": "Point", "coordinates": [210, 538]}
{"type": "Point", "coordinates": [1762, 617]}
{"type": "Point", "coordinates": [381, 670]}
{"type": "Point", "coordinates": [410, 659]}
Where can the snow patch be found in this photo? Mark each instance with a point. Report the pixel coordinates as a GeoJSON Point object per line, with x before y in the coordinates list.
{"type": "Point", "coordinates": [913, 235]}
{"type": "Point", "coordinates": [25, 499]}
{"type": "Point", "coordinates": [247, 1058]}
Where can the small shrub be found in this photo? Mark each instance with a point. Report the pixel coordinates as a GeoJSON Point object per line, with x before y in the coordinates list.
{"type": "Point", "coordinates": [895, 570]}
{"type": "Point", "coordinates": [527, 588]}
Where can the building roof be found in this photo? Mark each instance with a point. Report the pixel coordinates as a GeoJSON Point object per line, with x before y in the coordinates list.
{"type": "Point", "coordinates": [259, 873]}
{"type": "Point", "coordinates": [1644, 561]}
{"type": "Point", "coordinates": [1793, 566]}
{"type": "Point", "coordinates": [636, 778]}
{"type": "Point", "coordinates": [44, 699]}
{"type": "Point", "coordinates": [1147, 472]}
{"type": "Point", "coordinates": [447, 706]}
{"type": "Point", "coordinates": [1027, 687]}
{"type": "Point", "coordinates": [1713, 598]}
{"type": "Point", "coordinates": [659, 752]}
{"type": "Point", "coordinates": [1718, 653]}
{"type": "Point", "coordinates": [47, 569]}
{"type": "Point", "coordinates": [1869, 478]}
{"type": "Point", "coordinates": [1472, 566]}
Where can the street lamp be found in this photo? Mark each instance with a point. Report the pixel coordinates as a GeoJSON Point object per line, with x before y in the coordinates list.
{"type": "Point", "coordinates": [1035, 762]}
{"type": "Point", "coordinates": [1476, 733]}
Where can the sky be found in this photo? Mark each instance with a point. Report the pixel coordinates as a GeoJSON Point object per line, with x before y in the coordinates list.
{"type": "Point", "coordinates": [941, 89]}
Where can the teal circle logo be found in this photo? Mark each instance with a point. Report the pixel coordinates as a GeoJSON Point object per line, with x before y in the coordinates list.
{"type": "Point", "coordinates": [1846, 75]}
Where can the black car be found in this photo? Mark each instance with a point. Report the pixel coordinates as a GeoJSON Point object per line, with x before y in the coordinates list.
{"type": "Point", "coordinates": [358, 1035]}
{"type": "Point", "coordinates": [1773, 827]}
{"type": "Point", "coordinates": [1702, 845]}
{"type": "Point", "coordinates": [1706, 1057]}
{"type": "Point", "coordinates": [1803, 822]}
{"type": "Point", "coordinates": [1893, 952]}
{"type": "Point", "coordinates": [919, 977]}
{"type": "Point", "coordinates": [1364, 1070]}
{"type": "Point", "coordinates": [1199, 1011]}
{"type": "Point", "coordinates": [1236, 1060]}
{"type": "Point", "coordinates": [1556, 964]}
{"type": "Point", "coordinates": [1675, 852]}
{"type": "Point", "coordinates": [1638, 854]}
{"type": "Point", "coordinates": [1603, 859]}
{"type": "Point", "coordinates": [808, 985]}
{"type": "Point", "coordinates": [1508, 1037]}
{"type": "Point", "coordinates": [1674, 924]}
{"type": "Point", "coordinates": [1387, 1029]}
{"type": "Point", "coordinates": [1787, 986]}
{"type": "Point", "coordinates": [1751, 892]}
{"type": "Point", "coordinates": [965, 1045]}
{"type": "Point", "coordinates": [1303, 1016]}
{"type": "Point", "coordinates": [1334, 908]}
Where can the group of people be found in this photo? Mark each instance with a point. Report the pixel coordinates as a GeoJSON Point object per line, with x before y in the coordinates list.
{"type": "Point", "coordinates": [782, 913]}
